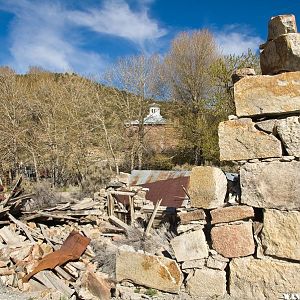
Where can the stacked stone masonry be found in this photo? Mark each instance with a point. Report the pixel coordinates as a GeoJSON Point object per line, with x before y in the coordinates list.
{"type": "Point", "coordinates": [281, 52]}
{"type": "Point", "coordinates": [247, 245]}
{"type": "Point", "coordinates": [240, 238]}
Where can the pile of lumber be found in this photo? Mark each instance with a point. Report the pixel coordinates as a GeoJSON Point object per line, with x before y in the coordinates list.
{"type": "Point", "coordinates": [50, 250]}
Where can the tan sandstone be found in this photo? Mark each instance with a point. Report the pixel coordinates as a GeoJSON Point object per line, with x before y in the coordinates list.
{"type": "Point", "coordinates": [156, 272]}
{"type": "Point", "coordinates": [267, 95]}
{"type": "Point", "coordinates": [267, 125]}
{"type": "Point", "coordinates": [207, 284]}
{"type": "Point", "coordinates": [289, 132]}
{"type": "Point", "coordinates": [207, 187]}
{"type": "Point", "coordinates": [190, 246]}
{"type": "Point", "coordinates": [238, 74]}
{"type": "Point", "coordinates": [240, 140]}
{"type": "Point", "coordinates": [281, 234]}
{"type": "Point", "coordinates": [280, 25]}
{"type": "Point", "coordinates": [231, 213]}
{"type": "Point", "coordinates": [271, 184]}
{"type": "Point", "coordinates": [281, 55]}
{"type": "Point", "coordinates": [263, 279]}
{"type": "Point", "coordinates": [194, 215]}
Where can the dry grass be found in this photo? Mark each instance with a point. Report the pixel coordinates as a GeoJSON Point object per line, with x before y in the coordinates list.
{"type": "Point", "coordinates": [157, 243]}
{"type": "Point", "coordinates": [44, 197]}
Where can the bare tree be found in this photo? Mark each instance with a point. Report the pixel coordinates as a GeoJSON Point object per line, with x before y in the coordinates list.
{"type": "Point", "coordinates": [13, 115]}
{"type": "Point", "coordinates": [138, 78]}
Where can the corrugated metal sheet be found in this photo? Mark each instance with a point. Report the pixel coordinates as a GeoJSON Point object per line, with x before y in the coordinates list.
{"type": "Point", "coordinates": [140, 177]}
{"type": "Point", "coordinates": [171, 191]}
{"type": "Point", "coordinates": [166, 185]}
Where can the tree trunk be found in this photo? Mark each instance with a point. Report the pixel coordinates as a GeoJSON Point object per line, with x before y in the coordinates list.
{"type": "Point", "coordinates": [37, 177]}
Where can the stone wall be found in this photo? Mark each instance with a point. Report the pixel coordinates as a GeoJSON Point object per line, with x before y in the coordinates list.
{"type": "Point", "coordinates": [246, 246]}
{"type": "Point", "coordinates": [264, 139]}
{"type": "Point", "coordinates": [250, 248]}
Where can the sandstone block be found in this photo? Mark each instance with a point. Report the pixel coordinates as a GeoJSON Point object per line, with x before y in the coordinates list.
{"type": "Point", "coordinates": [157, 272]}
{"type": "Point", "coordinates": [281, 55]}
{"type": "Point", "coordinates": [216, 264]}
{"type": "Point", "coordinates": [280, 25]}
{"type": "Point", "coordinates": [240, 140]}
{"type": "Point", "coordinates": [231, 213]}
{"type": "Point", "coordinates": [262, 279]}
{"type": "Point", "coordinates": [190, 227]}
{"type": "Point", "coordinates": [271, 184]}
{"type": "Point", "coordinates": [233, 240]}
{"type": "Point", "coordinates": [193, 264]}
{"type": "Point", "coordinates": [289, 132]}
{"type": "Point", "coordinates": [189, 216]}
{"type": "Point", "coordinates": [281, 233]}
{"type": "Point", "coordinates": [241, 73]}
{"type": "Point", "coordinates": [190, 246]}
{"type": "Point", "coordinates": [267, 95]}
{"type": "Point", "coordinates": [267, 125]}
{"type": "Point", "coordinates": [207, 284]}
{"type": "Point", "coordinates": [207, 187]}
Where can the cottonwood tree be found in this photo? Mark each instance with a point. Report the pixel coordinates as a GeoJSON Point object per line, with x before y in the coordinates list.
{"type": "Point", "coordinates": [187, 68]}
{"type": "Point", "coordinates": [48, 122]}
{"type": "Point", "coordinates": [139, 80]}
{"type": "Point", "coordinates": [60, 121]}
{"type": "Point", "coordinates": [13, 127]}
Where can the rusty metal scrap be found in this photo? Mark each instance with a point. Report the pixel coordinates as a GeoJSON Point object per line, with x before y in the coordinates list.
{"type": "Point", "coordinates": [72, 248]}
{"type": "Point", "coordinates": [140, 177]}
{"type": "Point", "coordinates": [171, 191]}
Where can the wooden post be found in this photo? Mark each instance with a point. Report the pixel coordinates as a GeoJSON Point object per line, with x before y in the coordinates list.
{"type": "Point", "coordinates": [110, 205]}
{"type": "Point", "coordinates": [131, 205]}
{"type": "Point", "coordinates": [152, 217]}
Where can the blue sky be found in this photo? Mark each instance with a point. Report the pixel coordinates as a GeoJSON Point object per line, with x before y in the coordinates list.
{"type": "Point", "coordinates": [87, 36]}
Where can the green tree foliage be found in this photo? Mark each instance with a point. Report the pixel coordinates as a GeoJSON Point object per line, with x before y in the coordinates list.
{"type": "Point", "coordinates": [199, 78]}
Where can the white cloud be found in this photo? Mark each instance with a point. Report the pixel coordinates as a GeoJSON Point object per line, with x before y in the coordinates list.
{"type": "Point", "coordinates": [236, 39]}
{"type": "Point", "coordinates": [117, 19]}
{"type": "Point", "coordinates": [44, 33]}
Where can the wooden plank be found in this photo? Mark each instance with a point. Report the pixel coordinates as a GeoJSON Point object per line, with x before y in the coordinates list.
{"type": "Point", "coordinates": [121, 193]}
{"type": "Point", "coordinates": [115, 221]}
{"type": "Point", "coordinates": [84, 205]}
{"type": "Point", "coordinates": [23, 226]}
{"type": "Point", "coordinates": [50, 280]}
{"type": "Point", "coordinates": [110, 205]}
{"type": "Point", "coordinates": [110, 230]}
{"type": "Point", "coordinates": [10, 237]}
{"type": "Point", "coordinates": [4, 210]}
{"type": "Point", "coordinates": [53, 216]}
{"type": "Point", "coordinates": [48, 240]}
{"type": "Point", "coordinates": [4, 222]}
{"type": "Point", "coordinates": [131, 204]}
{"type": "Point", "coordinates": [62, 206]}
{"type": "Point", "coordinates": [24, 197]}
{"type": "Point", "coordinates": [63, 273]}
{"type": "Point", "coordinates": [13, 191]}
{"type": "Point", "coordinates": [152, 217]}
{"type": "Point", "coordinates": [88, 212]}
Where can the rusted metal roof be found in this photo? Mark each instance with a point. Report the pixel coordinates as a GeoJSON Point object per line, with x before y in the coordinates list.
{"type": "Point", "coordinates": [71, 249]}
{"type": "Point", "coordinates": [171, 191]}
{"type": "Point", "coordinates": [140, 177]}
{"type": "Point", "coordinates": [167, 185]}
